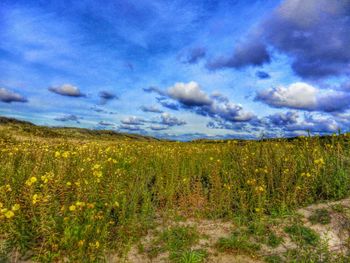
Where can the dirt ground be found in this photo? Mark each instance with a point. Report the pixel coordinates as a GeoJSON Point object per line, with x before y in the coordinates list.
{"type": "Point", "coordinates": [336, 233]}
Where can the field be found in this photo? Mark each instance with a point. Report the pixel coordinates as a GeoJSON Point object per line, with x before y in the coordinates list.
{"type": "Point", "coordinates": [69, 195]}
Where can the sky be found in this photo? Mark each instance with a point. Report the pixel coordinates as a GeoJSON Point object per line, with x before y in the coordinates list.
{"type": "Point", "coordinates": [178, 69]}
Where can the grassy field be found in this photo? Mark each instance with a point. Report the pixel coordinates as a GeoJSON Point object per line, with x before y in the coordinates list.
{"type": "Point", "coordinates": [78, 195]}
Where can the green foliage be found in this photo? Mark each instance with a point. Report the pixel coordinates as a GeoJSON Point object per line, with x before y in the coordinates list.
{"type": "Point", "coordinates": [273, 259]}
{"type": "Point", "coordinates": [189, 256]}
{"type": "Point", "coordinates": [273, 240]}
{"type": "Point", "coordinates": [178, 241]}
{"type": "Point", "coordinates": [302, 235]}
{"type": "Point", "coordinates": [320, 216]}
{"type": "Point", "coordinates": [237, 242]}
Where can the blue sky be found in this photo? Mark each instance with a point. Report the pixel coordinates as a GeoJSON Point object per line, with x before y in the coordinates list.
{"type": "Point", "coordinates": [178, 69]}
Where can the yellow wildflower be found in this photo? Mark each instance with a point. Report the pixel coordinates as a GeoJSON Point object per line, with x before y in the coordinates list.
{"type": "Point", "coordinates": [16, 207]}
{"type": "Point", "coordinates": [35, 199]}
{"type": "Point", "coordinates": [72, 208]}
{"type": "Point", "coordinates": [9, 214]}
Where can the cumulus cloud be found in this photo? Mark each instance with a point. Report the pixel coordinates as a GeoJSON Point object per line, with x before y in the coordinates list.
{"type": "Point", "coordinates": [314, 33]}
{"type": "Point", "coordinates": [168, 120]}
{"type": "Point", "coordinates": [67, 90]}
{"type": "Point", "coordinates": [246, 53]}
{"type": "Point", "coordinates": [305, 97]}
{"type": "Point", "coordinates": [69, 117]}
{"type": "Point", "coordinates": [158, 127]}
{"type": "Point", "coordinates": [104, 123]}
{"type": "Point", "coordinates": [133, 120]}
{"type": "Point", "coordinates": [315, 123]}
{"type": "Point", "coordinates": [130, 127]}
{"type": "Point", "coordinates": [298, 95]}
{"type": "Point", "coordinates": [189, 94]}
{"type": "Point", "coordinates": [153, 109]}
{"type": "Point", "coordinates": [283, 119]}
{"type": "Point", "coordinates": [106, 96]}
{"type": "Point", "coordinates": [168, 104]}
{"type": "Point", "coordinates": [8, 96]}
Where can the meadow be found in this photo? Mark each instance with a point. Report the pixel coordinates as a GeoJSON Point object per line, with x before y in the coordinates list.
{"type": "Point", "coordinates": [78, 198]}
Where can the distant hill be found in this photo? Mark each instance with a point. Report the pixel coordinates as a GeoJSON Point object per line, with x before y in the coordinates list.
{"type": "Point", "coordinates": [11, 127]}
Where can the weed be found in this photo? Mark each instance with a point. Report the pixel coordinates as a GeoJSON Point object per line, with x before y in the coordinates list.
{"type": "Point", "coordinates": [320, 216]}
{"type": "Point", "coordinates": [189, 256]}
{"type": "Point", "coordinates": [237, 242]}
{"type": "Point", "coordinates": [302, 235]}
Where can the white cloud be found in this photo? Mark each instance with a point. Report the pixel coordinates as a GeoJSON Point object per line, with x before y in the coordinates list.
{"type": "Point", "coordinates": [189, 94]}
{"type": "Point", "coordinates": [303, 96]}
{"type": "Point", "coordinates": [9, 96]}
{"type": "Point", "coordinates": [67, 90]}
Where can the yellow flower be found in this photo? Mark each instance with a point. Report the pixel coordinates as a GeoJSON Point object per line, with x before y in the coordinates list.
{"type": "Point", "coordinates": [72, 208]}
{"type": "Point", "coordinates": [68, 183]}
{"type": "Point", "coordinates": [16, 207]}
{"type": "Point", "coordinates": [96, 167]}
{"type": "Point", "coordinates": [35, 199]}
{"type": "Point", "coordinates": [97, 173]}
{"type": "Point", "coordinates": [57, 154]}
{"type": "Point", "coordinates": [81, 243]}
{"type": "Point", "coordinates": [65, 155]}
{"type": "Point", "coordinates": [9, 214]}
{"type": "Point", "coordinates": [8, 188]}
{"type": "Point", "coordinates": [81, 204]}
{"type": "Point", "coordinates": [97, 244]}
{"type": "Point", "coordinates": [31, 180]}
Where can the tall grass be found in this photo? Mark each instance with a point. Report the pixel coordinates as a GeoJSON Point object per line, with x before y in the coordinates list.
{"type": "Point", "coordinates": [77, 200]}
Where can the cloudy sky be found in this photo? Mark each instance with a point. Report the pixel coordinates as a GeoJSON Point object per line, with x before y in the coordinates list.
{"type": "Point", "coordinates": [178, 69]}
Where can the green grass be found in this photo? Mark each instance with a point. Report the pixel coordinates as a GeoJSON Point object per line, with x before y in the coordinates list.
{"type": "Point", "coordinates": [237, 243]}
{"type": "Point", "coordinates": [320, 216]}
{"type": "Point", "coordinates": [178, 241]}
{"type": "Point", "coordinates": [302, 235]}
{"type": "Point", "coordinates": [189, 256]}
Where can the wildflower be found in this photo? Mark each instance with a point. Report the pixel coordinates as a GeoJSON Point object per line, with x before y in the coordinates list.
{"type": "Point", "coordinates": [257, 210]}
{"type": "Point", "coordinates": [31, 180]}
{"type": "Point", "coordinates": [35, 199]}
{"type": "Point", "coordinates": [96, 167]}
{"type": "Point", "coordinates": [8, 188]}
{"type": "Point", "coordinates": [57, 154]}
{"type": "Point", "coordinates": [16, 207]}
{"type": "Point", "coordinates": [9, 214]}
{"type": "Point", "coordinates": [81, 243]}
{"type": "Point", "coordinates": [44, 178]}
{"type": "Point", "coordinates": [81, 204]}
{"type": "Point", "coordinates": [68, 183]}
{"type": "Point", "coordinates": [97, 173]}
{"type": "Point", "coordinates": [72, 208]}
{"type": "Point", "coordinates": [65, 154]}
{"type": "Point", "coordinates": [306, 174]}
{"type": "Point", "coordinates": [90, 205]}
{"type": "Point", "coordinates": [97, 244]}
{"type": "Point", "coordinates": [260, 189]}
{"type": "Point", "coordinates": [319, 162]}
